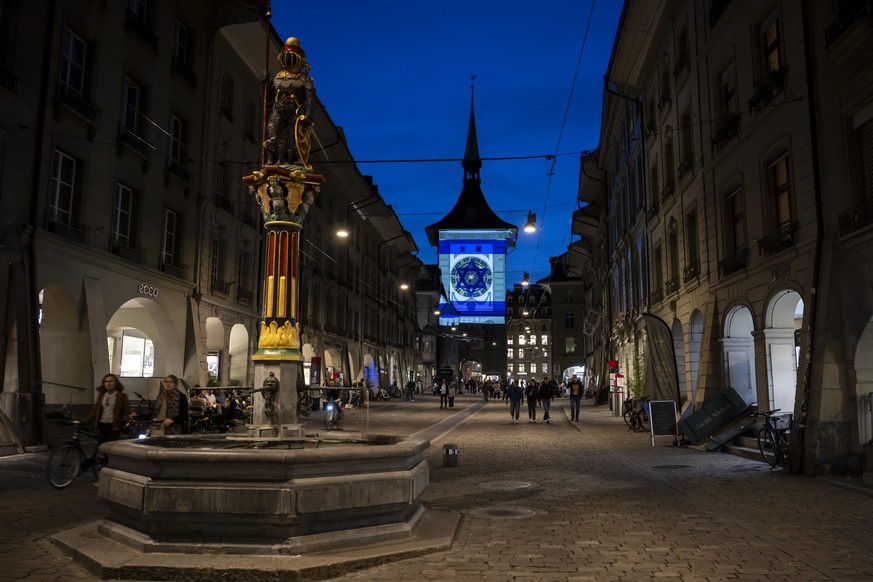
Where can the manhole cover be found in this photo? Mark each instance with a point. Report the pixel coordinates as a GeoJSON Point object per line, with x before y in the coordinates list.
{"type": "Point", "coordinates": [503, 512]}
{"type": "Point", "coordinates": [506, 485]}
{"type": "Point", "coordinates": [671, 467]}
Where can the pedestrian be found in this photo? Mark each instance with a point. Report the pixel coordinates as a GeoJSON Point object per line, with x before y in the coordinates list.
{"type": "Point", "coordinates": [575, 398]}
{"type": "Point", "coordinates": [531, 390]}
{"type": "Point", "coordinates": [453, 390]}
{"type": "Point", "coordinates": [172, 408]}
{"type": "Point", "coordinates": [444, 395]}
{"type": "Point", "coordinates": [410, 391]}
{"type": "Point", "coordinates": [111, 410]}
{"type": "Point", "coordinates": [545, 394]}
{"type": "Point", "coordinates": [514, 395]}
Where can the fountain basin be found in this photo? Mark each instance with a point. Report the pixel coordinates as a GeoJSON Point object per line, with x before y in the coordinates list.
{"type": "Point", "coordinates": [220, 494]}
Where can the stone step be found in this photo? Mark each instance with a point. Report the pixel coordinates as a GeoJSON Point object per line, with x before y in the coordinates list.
{"type": "Point", "coordinates": [744, 451]}
{"type": "Point", "coordinates": [748, 441]}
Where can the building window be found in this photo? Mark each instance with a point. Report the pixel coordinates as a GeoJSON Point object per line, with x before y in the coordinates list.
{"type": "Point", "coordinates": [569, 320]}
{"type": "Point", "coordinates": [771, 54]}
{"type": "Point", "coordinates": [669, 169]}
{"type": "Point", "coordinates": [122, 216]}
{"type": "Point", "coordinates": [182, 50]}
{"type": "Point", "coordinates": [864, 139]}
{"type": "Point", "coordinates": [169, 247]}
{"type": "Point", "coordinates": [522, 369]}
{"type": "Point", "coordinates": [177, 134]}
{"type": "Point", "coordinates": [687, 145]}
{"type": "Point", "coordinates": [729, 99]}
{"type": "Point", "coordinates": [216, 266]}
{"type": "Point", "coordinates": [131, 106]}
{"type": "Point", "coordinates": [520, 353]}
{"type": "Point", "coordinates": [673, 256]}
{"type": "Point", "coordinates": [532, 340]}
{"type": "Point", "coordinates": [138, 9]}
{"type": "Point", "coordinates": [545, 353]}
{"type": "Point", "coordinates": [249, 119]}
{"type": "Point", "coordinates": [225, 98]}
{"type": "Point", "coordinates": [544, 367]}
{"type": "Point", "coordinates": [736, 227]}
{"type": "Point", "coordinates": [243, 272]}
{"type": "Point", "coordinates": [522, 340]}
{"type": "Point", "coordinates": [509, 340]}
{"type": "Point", "coordinates": [570, 346]}
{"type": "Point", "coordinates": [73, 62]}
{"type": "Point", "coordinates": [62, 189]}
{"type": "Point", "coordinates": [691, 251]}
{"type": "Point", "coordinates": [780, 190]}
{"type": "Point", "coordinates": [137, 354]}
{"type": "Point", "coordinates": [510, 369]}
{"type": "Point", "coordinates": [510, 353]}
{"type": "Point", "coordinates": [544, 340]}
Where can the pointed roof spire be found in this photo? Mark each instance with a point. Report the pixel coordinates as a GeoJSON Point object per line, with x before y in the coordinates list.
{"type": "Point", "coordinates": [472, 163]}
{"type": "Point", "coordinates": [471, 211]}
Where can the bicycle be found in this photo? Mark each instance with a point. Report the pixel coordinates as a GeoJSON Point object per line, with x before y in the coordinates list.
{"type": "Point", "coordinates": [636, 413]}
{"type": "Point", "coordinates": [773, 441]}
{"type": "Point", "coordinates": [70, 459]}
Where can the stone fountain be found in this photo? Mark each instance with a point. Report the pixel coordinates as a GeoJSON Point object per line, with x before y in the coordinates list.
{"type": "Point", "coordinates": [273, 492]}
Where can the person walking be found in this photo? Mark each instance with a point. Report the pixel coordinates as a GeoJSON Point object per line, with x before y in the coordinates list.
{"type": "Point", "coordinates": [111, 410]}
{"type": "Point", "coordinates": [531, 391]}
{"type": "Point", "coordinates": [444, 395]}
{"type": "Point", "coordinates": [546, 393]}
{"type": "Point", "coordinates": [453, 390]}
{"type": "Point", "coordinates": [172, 408]}
{"type": "Point", "coordinates": [575, 398]}
{"type": "Point", "coordinates": [514, 395]}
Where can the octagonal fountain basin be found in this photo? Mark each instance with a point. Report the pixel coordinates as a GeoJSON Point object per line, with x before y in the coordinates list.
{"type": "Point", "coordinates": [221, 494]}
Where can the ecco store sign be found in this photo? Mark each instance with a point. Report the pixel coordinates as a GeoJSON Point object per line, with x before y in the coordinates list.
{"type": "Point", "coordinates": [148, 290]}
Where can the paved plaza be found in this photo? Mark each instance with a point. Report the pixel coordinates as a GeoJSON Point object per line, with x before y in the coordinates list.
{"type": "Point", "coordinates": [560, 501]}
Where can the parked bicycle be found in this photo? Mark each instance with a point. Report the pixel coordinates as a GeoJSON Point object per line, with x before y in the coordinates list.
{"type": "Point", "coordinates": [773, 441]}
{"type": "Point", "coordinates": [70, 459]}
{"type": "Point", "coordinates": [636, 413]}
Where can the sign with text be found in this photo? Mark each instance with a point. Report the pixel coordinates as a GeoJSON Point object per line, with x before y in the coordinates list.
{"type": "Point", "coordinates": [662, 419]}
{"type": "Point", "coordinates": [712, 415]}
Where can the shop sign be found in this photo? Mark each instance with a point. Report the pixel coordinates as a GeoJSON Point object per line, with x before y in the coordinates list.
{"type": "Point", "coordinates": [148, 290]}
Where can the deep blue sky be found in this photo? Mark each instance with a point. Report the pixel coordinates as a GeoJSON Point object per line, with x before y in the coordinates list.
{"type": "Point", "coordinates": [395, 75]}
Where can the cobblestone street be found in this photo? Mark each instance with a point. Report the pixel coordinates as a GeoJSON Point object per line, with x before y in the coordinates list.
{"type": "Point", "coordinates": [563, 501]}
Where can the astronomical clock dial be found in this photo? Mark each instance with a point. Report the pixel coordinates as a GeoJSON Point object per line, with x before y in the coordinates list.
{"type": "Point", "coordinates": [471, 277]}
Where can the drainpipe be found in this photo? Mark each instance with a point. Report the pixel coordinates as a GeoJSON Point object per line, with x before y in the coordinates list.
{"type": "Point", "coordinates": [798, 435]}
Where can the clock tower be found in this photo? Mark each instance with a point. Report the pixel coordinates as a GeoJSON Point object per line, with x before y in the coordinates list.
{"type": "Point", "coordinates": [472, 242]}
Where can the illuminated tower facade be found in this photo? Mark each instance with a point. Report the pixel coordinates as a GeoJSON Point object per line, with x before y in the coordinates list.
{"type": "Point", "coordinates": [472, 242]}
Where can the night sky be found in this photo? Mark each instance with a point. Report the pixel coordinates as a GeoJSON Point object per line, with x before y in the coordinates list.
{"type": "Point", "coordinates": [396, 76]}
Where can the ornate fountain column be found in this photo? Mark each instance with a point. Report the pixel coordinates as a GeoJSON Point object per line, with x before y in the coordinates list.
{"type": "Point", "coordinates": [284, 188]}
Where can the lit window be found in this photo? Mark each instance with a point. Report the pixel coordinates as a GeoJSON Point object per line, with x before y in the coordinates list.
{"type": "Point", "coordinates": [522, 369]}
{"type": "Point", "coordinates": [544, 340]}
{"type": "Point", "coordinates": [137, 355]}
{"type": "Point", "coordinates": [522, 340]}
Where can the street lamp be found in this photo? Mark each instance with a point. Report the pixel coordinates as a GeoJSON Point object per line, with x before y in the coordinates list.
{"type": "Point", "coordinates": [525, 281]}
{"type": "Point", "coordinates": [531, 224]}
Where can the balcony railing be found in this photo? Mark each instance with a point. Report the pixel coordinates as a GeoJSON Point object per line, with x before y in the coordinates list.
{"type": "Point", "coordinates": [767, 88]}
{"type": "Point", "coordinates": [725, 130]}
{"type": "Point", "coordinates": [671, 285]}
{"type": "Point", "coordinates": [667, 192]}
{"type": "Point", "coordinates": [135, 142]}
{"type": "Point", "coordinates": [244, 296]}
{"type": "Point", "coordinates": [224, 203]}
{"type": "Point", "coordinates": [684, 168]}
{"type": "Point", "coordinates": [66, 228]}
{"type": "Point", "coordinates": [734, 263]}
{"type": "Point", "coordinates": [219, 286]}
{"type": "Point", "coordinates": [856, 218]}
{"type": "Point", "coordinates": [184, 70]}
{"type": "Point", "coordinates": [177, 271]}
{"type": "Point", "coordinates": [657, 295]}
{"type": "Point", "coordinates": [76, 102]}
{"type": "Point", "coordinates": [849, 13]}
{"type": "Point", "coordinates": [778, 241]}
{"type": "Point", "coordinates": [689, 273]}
{"type": "Point", "coordinates": [127, 253]}
{"type": "Point", "coordinates": [177, 168]}
{"type": "Point", "coordinates": [142, 30]}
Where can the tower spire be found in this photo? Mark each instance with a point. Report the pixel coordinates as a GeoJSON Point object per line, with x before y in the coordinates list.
{"type": "Point", "coordinates": [472, 163]}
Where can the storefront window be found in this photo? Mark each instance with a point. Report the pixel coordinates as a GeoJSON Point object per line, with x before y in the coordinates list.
{"type": "Point", "coordinates": [137, 356]}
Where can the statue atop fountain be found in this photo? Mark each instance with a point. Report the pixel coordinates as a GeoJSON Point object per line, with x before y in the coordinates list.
{"type": "Point", "coordinates": [284, 188]}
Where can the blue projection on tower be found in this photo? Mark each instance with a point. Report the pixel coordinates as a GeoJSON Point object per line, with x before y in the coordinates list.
{"type": "Point", "coordinates": [473, 276]}
{"type": "Point", "coordinates": [472, 242]}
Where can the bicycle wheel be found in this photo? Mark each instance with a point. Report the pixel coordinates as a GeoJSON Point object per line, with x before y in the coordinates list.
{"type": "Point", "coordinates": [64, 465]}
{"type": "Point", "coordinates": [767, 445]}
{"type": "Point", "coordinates": [629, 419]}
{"type": "Point", "coordinates": [643, 419]}
{"type": "Point", "coordinates": [784, 453]}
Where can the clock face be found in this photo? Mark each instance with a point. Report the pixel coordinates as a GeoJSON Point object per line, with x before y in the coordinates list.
{"type": "Point", "coordinates": [471, 277]}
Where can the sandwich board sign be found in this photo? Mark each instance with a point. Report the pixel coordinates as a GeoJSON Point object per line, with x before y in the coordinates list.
{"type": "Point", "coordinates": [662, 419]}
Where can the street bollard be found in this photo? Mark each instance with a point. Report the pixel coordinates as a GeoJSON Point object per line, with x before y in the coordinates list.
{"type": "Point", "coordinates": [450, 455]}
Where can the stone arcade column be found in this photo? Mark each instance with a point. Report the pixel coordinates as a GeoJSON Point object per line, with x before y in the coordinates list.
{"type": "Point", "coordinates": [284, 188]}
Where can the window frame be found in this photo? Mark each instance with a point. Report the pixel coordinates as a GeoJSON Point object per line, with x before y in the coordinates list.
{"type": "Point", "coordinates": [73, 64]}
{"type": "Point", "coordinates": [122, 216]}
{"type": "Point", "coordinates": [62, 195]}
